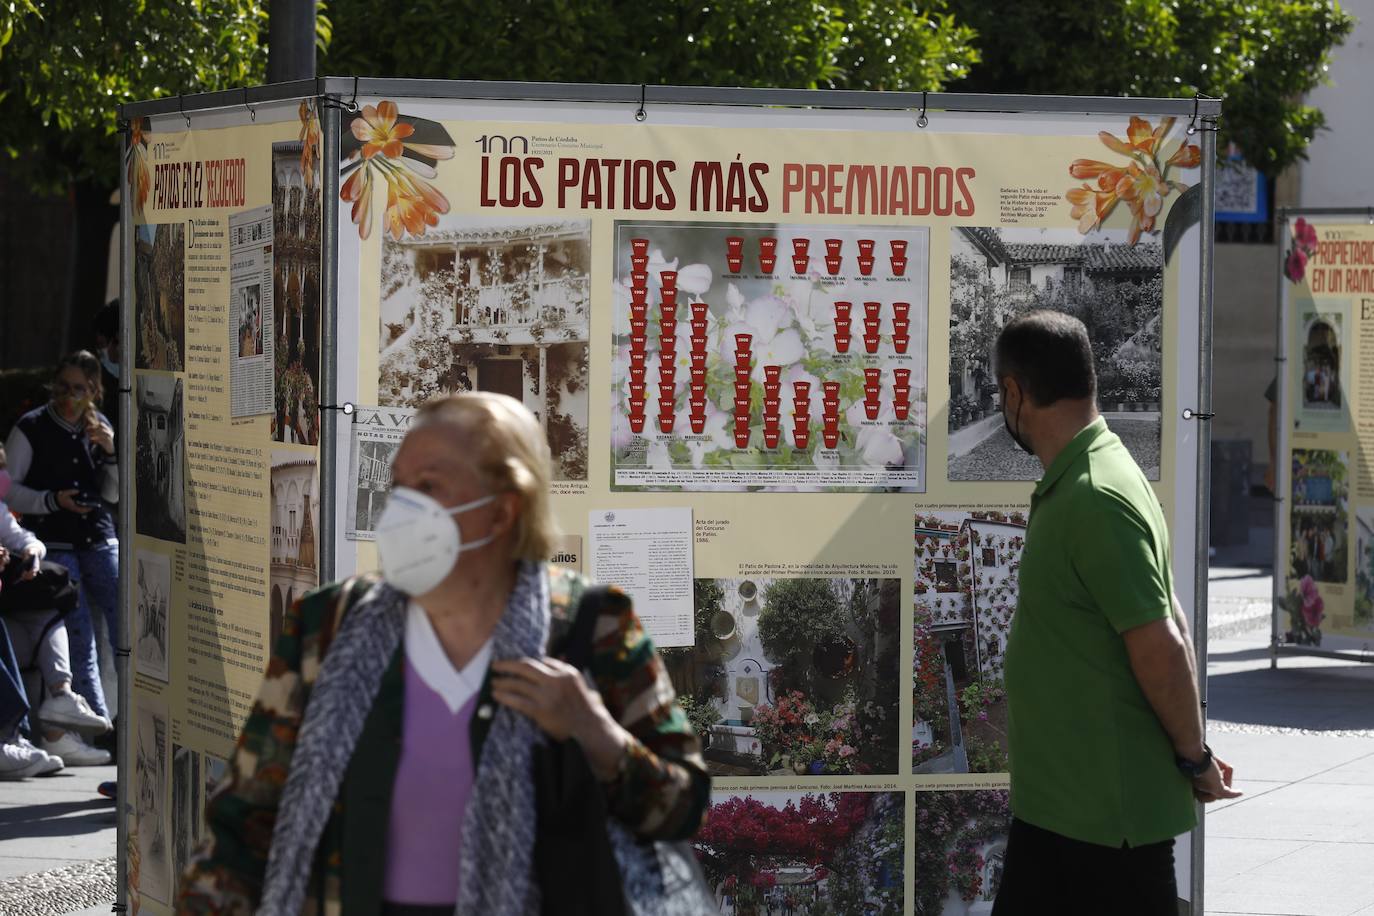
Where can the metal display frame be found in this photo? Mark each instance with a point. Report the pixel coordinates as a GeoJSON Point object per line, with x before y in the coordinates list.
{"type": "Point", "coordinates": [337, 94]}
{"type": "Point", "coordinates": [1283, 472]}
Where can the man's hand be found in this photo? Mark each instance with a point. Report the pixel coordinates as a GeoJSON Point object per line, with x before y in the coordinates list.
{"type": "Point", "coordinates": [1215, 784]}
{"type": "Point", "coordinates": [4, 556]}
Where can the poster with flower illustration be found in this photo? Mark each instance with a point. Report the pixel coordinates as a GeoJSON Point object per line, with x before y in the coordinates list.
{"type": "Point", "coordinates": [769, 357]}
{"type": "Point", "coordinates": [1325, 425]}
{"type": "Point", "coordinates": [805, 852]}
{"type": "Point", "coordinates": [965, 588]}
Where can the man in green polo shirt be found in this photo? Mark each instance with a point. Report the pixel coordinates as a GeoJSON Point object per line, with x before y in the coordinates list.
{"type": "Point", "coordinates": [1107, 754]}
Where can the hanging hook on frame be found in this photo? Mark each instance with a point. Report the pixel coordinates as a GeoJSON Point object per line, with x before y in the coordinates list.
{"type": "Point", "coordinates": [181, 107]}
{"type": "Point", "coordinates": [252, 113]}
{"type": "Point", "coordinates": [640, 114]}
{"type": "Point", "coordinates": [921, 120]}
{"type": "Point", "coordinates": [1197, 122]}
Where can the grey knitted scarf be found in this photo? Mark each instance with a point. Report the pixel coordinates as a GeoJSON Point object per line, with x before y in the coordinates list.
{"type": "Point", "coordinates": [495, 867]}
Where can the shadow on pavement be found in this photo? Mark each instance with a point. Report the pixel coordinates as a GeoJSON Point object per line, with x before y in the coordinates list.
{"type": "Point", "coordinates": [56, 819]}
{"type": "Point", "coordinates": [1326, 698]}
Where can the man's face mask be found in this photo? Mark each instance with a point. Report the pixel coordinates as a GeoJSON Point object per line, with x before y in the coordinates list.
{"type": "Point", "coordinates": [1014, 426]}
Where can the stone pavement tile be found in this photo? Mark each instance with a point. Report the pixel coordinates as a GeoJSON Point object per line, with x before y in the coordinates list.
{"type": "Point", "coordinates": [1226, 858]}
{"type": "Point", "coordinates": [1356, 772]}
{"type": "Point", "coordinates": [1251, 787]}
{"type": "Point", "coordinates": [46, 788]}
{"type": "Point", "coordinates": [1303, 811]}
{"type": "Point", "coordinates": [1318, 879]}
{"type": "Point", "coordinates": [1286, 757]}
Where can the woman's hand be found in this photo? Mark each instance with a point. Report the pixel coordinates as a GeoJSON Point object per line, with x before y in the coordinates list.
{"type": "Point", "coordinates": [67, 500]}
{"type": "Point", "coordinates": [554, 694]}
{"type": "Point", "coordinates": [100, 432]}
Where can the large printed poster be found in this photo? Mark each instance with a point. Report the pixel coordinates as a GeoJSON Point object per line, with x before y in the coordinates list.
{"type": "Point", "coordinates": [780, 327]}
{"type": "Point", "coordinates": [225, 278]}
{"type": "Point", "coordinates": [1326, 548]}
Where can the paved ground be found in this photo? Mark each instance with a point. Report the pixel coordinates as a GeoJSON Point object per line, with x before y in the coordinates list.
{"type": "Point", "coordinates": [1300, 843]}
{"type": "Point", "coordinates": [1301, 840]}
{"type": "Point", "coordinates": [57, 844]}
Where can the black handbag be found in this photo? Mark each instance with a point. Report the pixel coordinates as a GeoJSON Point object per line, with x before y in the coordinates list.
{"type": "Point", "coordinates": [575, 859]}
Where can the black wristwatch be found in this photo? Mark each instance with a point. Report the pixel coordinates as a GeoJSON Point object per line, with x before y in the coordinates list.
{"type": "Point", "coordinates": [1194, 769]}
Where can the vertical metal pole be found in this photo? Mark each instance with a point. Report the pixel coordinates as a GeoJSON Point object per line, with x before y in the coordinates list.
{"type": "Point", "coordinates": [290, 40]}
{"type": "Point", "coordinates": [121, 639]}
{"type": "Point", "coordinates": [329, 334]}
{"type": "Point", "coordinates": [1281, 469]}
{"type": "Point", "coordinates": [1207, 243]}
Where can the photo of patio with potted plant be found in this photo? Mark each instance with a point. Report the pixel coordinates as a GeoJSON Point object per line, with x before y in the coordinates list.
{"type": "Point", "coordinates": [961, 846]}
{"type": "Point", "coordinates": [820, 854]}
{"type": "Point", "coordinates": [966, 566]}
{"type": "Point", "coordinates": [793, 676]}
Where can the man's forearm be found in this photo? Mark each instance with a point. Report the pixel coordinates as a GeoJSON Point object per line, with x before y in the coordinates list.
{"type": "Point", "coordinates": [1181, 622]}
{"type": "Point", "coordinates": [1162, 661]}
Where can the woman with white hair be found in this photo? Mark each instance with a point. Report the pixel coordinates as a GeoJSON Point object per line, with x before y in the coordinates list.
{"type": "Point", "coordinates": [395, 758]}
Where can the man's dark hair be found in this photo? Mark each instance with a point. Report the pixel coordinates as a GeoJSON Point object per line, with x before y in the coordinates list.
{"type": "Point", "coordinates": [1049, 355]}
{"type": "Point", "coordinates": [107, 320]}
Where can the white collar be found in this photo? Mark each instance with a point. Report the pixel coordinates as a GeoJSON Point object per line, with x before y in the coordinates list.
{"type": "Point", "coordinates": [432, 664]}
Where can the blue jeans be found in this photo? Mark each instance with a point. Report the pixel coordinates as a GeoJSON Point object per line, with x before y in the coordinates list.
{"type": "Point", "coordinates": [14, 703]}
{"type": "Point", "coordinates": [95, 572]}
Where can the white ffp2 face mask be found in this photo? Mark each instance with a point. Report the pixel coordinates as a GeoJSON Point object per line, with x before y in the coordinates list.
{"type": "Point", "coordinates": [419, 541]}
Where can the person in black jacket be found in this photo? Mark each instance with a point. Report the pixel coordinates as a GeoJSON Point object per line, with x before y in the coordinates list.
{"type": "Point", "coordinates": [65, 480]}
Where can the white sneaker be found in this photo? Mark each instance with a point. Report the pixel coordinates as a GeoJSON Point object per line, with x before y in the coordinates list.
{"type": "Point", "coordinates": [52, 763]}
{"type": "Point", "coordinates": [70, 710]}
{"type": "Point", "coordinates": [75, 752]}
{"type": "Point", "coordinates": [17, 762]}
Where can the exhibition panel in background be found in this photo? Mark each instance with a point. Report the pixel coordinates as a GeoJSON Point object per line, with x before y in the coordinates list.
{"type": "Point", "coordinates": [1324, 517]}
{"type": "Point", "coordinates": [756, 326]}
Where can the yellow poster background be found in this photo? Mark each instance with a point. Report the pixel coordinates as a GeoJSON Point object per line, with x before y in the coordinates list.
{"type": "Point", "coordinates": [225, 509]}
{"type": "Point", "coordinates": [1326, 545]}
{"type": "Point", "coordinates": [1016, 182]}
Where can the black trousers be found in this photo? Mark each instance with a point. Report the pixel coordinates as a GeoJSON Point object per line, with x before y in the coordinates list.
{"type": "Point", "coordinates": [1045, 872]}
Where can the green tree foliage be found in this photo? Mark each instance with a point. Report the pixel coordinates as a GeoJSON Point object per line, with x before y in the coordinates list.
{"type": "Point", "coordinates": [66, 64]}
{"type": "Point", "coordinates": [865, 44]}
{"type": "Point", "coordinates": [797, 616]}
{"type": "Point", "coordinates": [1261, 56]}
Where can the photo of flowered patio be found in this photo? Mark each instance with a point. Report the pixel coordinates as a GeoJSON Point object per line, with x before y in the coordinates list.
{"type": "Point", "coordinates": [1116, 289]}
{"type": "Point", "coordinates": [965, 585]}
{"type": "Point", "coordinates": [493, 305]}
{"type": "Point", "coordinates": [793, 677]}
{"type": "Point", "coordinates": [773, 853]}
{"type": "Point", "coordinates": [961, 845]}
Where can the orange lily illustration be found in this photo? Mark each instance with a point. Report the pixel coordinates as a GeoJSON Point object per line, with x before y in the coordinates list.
{"type": "Point", "coordinates": [387, 150]}
{"type": "Point", "coordinates": [140, 182]}
{"type": "Point", "coordinates": [1142, 183]}
{"type": "Point", "coordinates": [310, 142]}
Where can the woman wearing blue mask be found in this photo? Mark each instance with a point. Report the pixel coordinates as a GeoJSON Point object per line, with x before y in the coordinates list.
{"type": "Point", "coordinates": [392, 762]}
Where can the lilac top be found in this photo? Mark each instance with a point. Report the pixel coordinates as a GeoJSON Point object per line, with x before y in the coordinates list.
{"type": "Point", "coordinates": [434, 777]}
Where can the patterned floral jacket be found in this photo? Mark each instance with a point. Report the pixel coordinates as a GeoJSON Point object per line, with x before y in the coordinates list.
{"type": "Point", "coordinates": [661, 794]}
